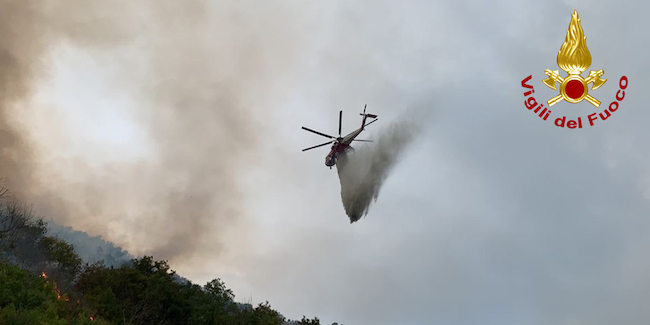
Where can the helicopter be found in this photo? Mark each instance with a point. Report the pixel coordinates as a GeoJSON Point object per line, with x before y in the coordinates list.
{"type": "Point", "coordinates": [342, 144]}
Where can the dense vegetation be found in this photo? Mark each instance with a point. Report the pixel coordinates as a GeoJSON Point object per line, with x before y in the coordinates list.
{"type": "Point", "coordinates": [44, 281]}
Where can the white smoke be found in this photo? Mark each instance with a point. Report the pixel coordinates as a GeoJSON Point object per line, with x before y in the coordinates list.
{"type": "Point", "coordinates": [362, 171]}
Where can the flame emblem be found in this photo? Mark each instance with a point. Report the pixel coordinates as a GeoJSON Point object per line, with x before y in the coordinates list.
{"type": "Point", "coordinates": [574, 58]}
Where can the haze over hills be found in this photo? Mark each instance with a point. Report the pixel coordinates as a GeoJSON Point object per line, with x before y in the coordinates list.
{"type": "Point", "coordinates": [90, 249]}
{"type": "Point", "coordinates": [93, 249]}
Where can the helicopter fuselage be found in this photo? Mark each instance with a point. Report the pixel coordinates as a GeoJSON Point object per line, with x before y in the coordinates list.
{"type": "Point", "coordinates": [340, 147]}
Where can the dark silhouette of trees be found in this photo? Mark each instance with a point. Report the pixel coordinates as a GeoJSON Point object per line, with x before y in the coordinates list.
{"type": "Point", "coordinates": [306, 321]}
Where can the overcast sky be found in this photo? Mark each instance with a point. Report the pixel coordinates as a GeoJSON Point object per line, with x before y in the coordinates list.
{"type": "Point", "coordinates": [180, 137]}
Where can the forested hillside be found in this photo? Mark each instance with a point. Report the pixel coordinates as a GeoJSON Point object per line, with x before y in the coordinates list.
{"type": "Point", "coordinates": [44, 280]}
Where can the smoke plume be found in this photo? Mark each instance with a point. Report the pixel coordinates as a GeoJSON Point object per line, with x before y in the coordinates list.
{"type": "Point", "coordinates": [200, 76]}
{"type": "Point", "coordinates": [362, 171]}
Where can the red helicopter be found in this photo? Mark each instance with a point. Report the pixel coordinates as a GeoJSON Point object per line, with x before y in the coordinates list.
{"type": "Point", "coordinates": [342, 144]}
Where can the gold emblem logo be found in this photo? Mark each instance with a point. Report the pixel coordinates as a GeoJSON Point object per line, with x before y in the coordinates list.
{"type": "Point", "coordinates": [574, 58]}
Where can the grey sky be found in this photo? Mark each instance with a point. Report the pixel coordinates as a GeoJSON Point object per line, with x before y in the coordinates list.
{"type": "Point", "coordinates": [492, 217]}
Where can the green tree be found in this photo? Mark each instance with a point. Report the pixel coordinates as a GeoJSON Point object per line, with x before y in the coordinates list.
{"type": "Point", "coordinates": [26, 299]}
{"type": "Point", "coordinates": [144, 292]}
{"type": "Point", "coordinates": [60, 261]}
{"type": "Point", "coordinates": [263, 314]}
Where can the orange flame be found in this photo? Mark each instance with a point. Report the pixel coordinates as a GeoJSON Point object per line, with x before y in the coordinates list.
{"type": "Point", "coordinates": [58, 293]}
{"type": "Point", "coordinates": [574, 57]}
{"type": "Point", "coordinates": [92, 318]}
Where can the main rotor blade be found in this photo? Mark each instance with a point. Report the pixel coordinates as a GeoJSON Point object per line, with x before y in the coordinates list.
{"type": "Point", "coordinates": [340, 119]}
{"type": "Point", "coordinates": [322, 134]}
{"type": "Point", "coordinates": [364, 140]}
{"type": "Point", "coordinates": [320, 145]}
